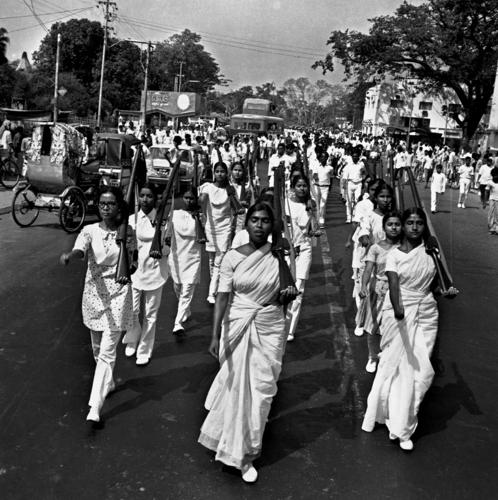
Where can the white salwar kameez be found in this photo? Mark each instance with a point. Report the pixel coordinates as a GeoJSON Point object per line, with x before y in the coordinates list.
{"type": "Point", "coordinates": [184, 262]}
{"type": "Point", "coordinates": [251, 348]}
{"type": "Point", "coordinates": [405, 372]}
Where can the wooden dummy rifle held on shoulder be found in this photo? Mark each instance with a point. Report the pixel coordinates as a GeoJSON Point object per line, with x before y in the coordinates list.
{"type": "Point", "coordinates": [251, 170]}
{"type": "Point", "coordinates": [280, 245]}
{"type": "Point", "coordinates": [200, 232]}
{"type": "Point", "coordinates": [123, 266]}
{"type": "Point", "coordinates": [432, 244]}
{"type": "Point", "coordinates": [163, 211]}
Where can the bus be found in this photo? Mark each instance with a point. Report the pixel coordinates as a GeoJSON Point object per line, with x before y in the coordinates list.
{"type": "Point", "coordinates": [256, 118]}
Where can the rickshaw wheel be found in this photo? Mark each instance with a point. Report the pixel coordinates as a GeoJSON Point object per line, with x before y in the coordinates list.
{"type": "Point", "coordinates": [24, 210]}
{"type": "Point", "coordinates": [72, 211]}
{"type": "Point", "coordinates": [10, 174]}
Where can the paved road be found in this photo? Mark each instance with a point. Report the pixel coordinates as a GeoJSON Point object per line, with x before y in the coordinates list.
{"type": "Point", "coordinates": [313, 445]}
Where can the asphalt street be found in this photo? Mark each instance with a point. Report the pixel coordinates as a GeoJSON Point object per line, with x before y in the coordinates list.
{"type": "Point", "coordinates": [313, 446]}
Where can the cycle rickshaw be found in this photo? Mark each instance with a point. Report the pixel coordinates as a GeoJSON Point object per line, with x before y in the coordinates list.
{"type": "Point", "coordinates": [66, 165]}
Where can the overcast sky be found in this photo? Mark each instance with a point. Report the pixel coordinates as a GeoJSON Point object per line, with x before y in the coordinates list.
{"type": "Point", "coordinates": [253, 41]}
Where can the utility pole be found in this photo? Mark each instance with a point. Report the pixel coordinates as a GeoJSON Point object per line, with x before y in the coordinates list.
{"type": "Point", "coordinates": [180, 77]}
{"type": "Point", "coordinates": [108, 16]}
{"type": "Point", "coordinates": [56, 86]}
{"type": "Point", "coordinates": [146, 83]}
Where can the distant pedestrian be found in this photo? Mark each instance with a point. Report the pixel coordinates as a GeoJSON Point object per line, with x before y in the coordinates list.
{"type": "Point", "coordinates": [466, 174]}
{"type": "Point", "coordinates": [492, 187]}
{"type": "Point", "coordinates": [438, 186]}
{"type": "Point", "coordinates": [483, 176]}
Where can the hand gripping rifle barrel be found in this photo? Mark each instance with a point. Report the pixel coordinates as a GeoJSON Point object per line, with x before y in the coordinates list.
{"type": "Point", "coordinates": [163, 211]}
{"type": "Point", "coordinates": [279, 243]}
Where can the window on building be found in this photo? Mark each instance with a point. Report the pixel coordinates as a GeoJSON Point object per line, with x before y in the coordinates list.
{"type": "Point", "coordinates": [425, 105]}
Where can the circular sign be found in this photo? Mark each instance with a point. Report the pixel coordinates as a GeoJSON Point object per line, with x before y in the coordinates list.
{"type": "Point", "coordinates": [183, 102]}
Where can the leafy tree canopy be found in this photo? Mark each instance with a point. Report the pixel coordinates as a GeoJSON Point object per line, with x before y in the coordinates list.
{"type": "Point", "coordinates": [444, 43]}
{"type": "Point", "coordinates": [197, 64]}
{"type": "Point", "coordinates": [81, 48]}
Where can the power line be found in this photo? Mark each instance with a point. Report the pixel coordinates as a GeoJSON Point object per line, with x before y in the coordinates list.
{"type": "Point", "coordinates": [41, 14]}
{"type": "Point", "coordinates": [48, 22]}
{"type": "Point", "coordinates": [238, 39]}
{"type": "Point", "coordinates": [264, 49]}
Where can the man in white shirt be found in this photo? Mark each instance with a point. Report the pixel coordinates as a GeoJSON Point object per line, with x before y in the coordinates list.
{"type": "Point", "coordinates": [483, 177]}
{"type": "Point", "coordinates": [274, 162]}
{"type": "Point", "coordinates": [466, 173]}
{"type": "Point", "coordinates": [322, 174]}
{"type": "Point", "coordinates": [354, 173]}
{"type": "Point", "coordinates": [438, 186]}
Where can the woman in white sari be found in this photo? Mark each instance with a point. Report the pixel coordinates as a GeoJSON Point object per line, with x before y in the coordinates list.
{"type": "Point", "coordinates": [249, 341]}
{"type": "Point", "coordinates": [409, 328]}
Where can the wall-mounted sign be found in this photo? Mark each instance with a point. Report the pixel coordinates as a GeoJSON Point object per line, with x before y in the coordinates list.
{"type": "Point", "coordinates": [173, 103]}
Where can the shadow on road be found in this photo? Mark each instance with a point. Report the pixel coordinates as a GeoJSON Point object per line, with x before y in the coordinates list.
{"type": "Point", "coordinates": [441, 404]}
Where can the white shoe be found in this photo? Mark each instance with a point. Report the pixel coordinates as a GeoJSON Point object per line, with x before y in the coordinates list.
{"type": "Point", "coordinates": [130, 350]}
{"type": "Point", "coordinates": [321, 222]}
{"type": "Point", "coordinates": [358, 331]}
{"type": "Point", "coordinates": [93, 415]}
{"type": "Point", "coordinates": [459, 205]}
{"type": "Point", "coordinates": [463, 205]}
{"type": "Point", "coordinates": [406, 445]}
{"type": "Point", "coordinates": [392, 436]}
{"type": "Point", "coordinates": [142, 360]}
{"type": "Point", "coordinates": [348, 221]}
{"type": "Point", "coordinates": [178, 330]}
{"type": "Point", "coordinates": [290, 337]}
{"type": "Point", "coordinates": [249, 473]}
{"type": "Point", "coordinates": [371, 365]}
{"type": "Point", "coordinates": [211, 299]}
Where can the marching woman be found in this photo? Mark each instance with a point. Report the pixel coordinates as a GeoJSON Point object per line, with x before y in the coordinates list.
{"type": "Point", "coordinates": [409, 329]}
{"type": "Point", "coordinates": [184, 257]}
{"type": "Point", "coordinates": [215, 204]}
{"type": "Point", "coordinates": [148, 280]}
{"type": "Point", "coordinates": [298, 210]}
{"type": "Point", "coordinates": [106, 305]}
{"type": "Point", "coordinates": [249, 341]}
{"type": "Point", "coordinates": [361, 211]}
{"type": "Point", "coordinates": [374, 284]}
{"type": "Point", "coordinates": [244, 195]}
{"type": "Point", "coordinates": [371, 232]}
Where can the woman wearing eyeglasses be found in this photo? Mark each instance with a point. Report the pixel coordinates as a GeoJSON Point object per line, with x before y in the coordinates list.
{"type": "Point", "coordinates": [106, 305]}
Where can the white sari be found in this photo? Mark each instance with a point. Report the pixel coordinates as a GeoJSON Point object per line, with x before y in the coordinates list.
{"type": "Point", "coordinates": [405, 372]}
{"type": "Point", "coordinates": [251, 349]}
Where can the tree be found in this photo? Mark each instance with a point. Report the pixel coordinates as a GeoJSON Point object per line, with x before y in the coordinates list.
{"type": "Point", "coordinates": [7, 84]}
{"type": "Point", "coordinates": [123, 77]}
{"type": "Point", "coordinates": [81, 48]}
{"type": "Point", "coordinates": [185, 51]}
{"type": "Point", "coordinates": [306, 102]}
{"type": "Point", "coordinates": [269, 91]}
{"type": "Point", "coordinates": [4, 41]}
{"type": "Point", "coordinates": [443, 43]}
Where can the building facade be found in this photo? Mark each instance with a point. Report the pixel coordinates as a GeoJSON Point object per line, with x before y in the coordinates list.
{"type": "Point", "coordinates": [397, 108]}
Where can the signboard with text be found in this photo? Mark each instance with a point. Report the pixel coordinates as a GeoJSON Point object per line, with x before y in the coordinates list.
{"type": "Point", "coordinates": [173, 104]}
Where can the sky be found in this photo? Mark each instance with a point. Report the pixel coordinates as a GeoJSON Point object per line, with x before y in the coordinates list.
{"type": "Point", "coordinates": [253, 41]}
